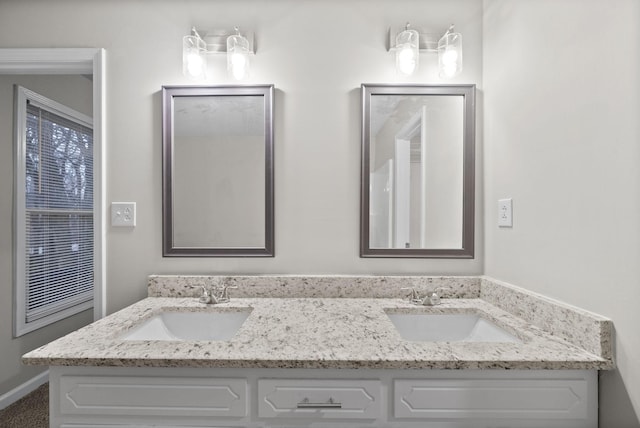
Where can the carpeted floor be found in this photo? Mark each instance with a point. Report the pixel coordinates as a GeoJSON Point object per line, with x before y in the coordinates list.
{"type": "Point", "coordinates": [31, 411]}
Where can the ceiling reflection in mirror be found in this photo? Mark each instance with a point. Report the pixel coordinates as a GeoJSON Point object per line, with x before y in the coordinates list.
{"type": "Point", "coordinates": [417, 192]}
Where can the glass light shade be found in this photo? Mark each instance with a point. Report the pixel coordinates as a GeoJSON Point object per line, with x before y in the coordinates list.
{"type": "Point", "coordinates": [407, 53]}
{"type": "Point", "coordinates": [450, 55]}
{"type": "Point", "coordinates": [194, 62]}
{"type": "Point", "coordinates": [238, 56]}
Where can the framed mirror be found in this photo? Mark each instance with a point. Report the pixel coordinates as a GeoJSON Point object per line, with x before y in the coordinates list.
{"type": "Point", "coordinates": [217, 171]}
{"type": "Point", "coordinates": [417, 185]}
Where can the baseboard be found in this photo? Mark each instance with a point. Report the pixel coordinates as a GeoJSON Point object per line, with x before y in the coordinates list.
{"type": "Point", "coordinates": [21, 390]}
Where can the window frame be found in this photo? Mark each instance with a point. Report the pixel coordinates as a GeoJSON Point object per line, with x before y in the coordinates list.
{"type": "Point", "coordinates": [21, 97]}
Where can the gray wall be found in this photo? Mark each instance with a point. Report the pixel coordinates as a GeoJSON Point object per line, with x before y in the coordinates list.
{"type": "Point", "coordinates": [562, 137]}
{"type": "Point", "coordinates": [72, 91]}
{"type": "Point", "coordinates": [316, 53]}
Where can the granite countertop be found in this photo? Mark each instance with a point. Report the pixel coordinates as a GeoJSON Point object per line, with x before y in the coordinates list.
{"type": "Point", "coordinates": [314, 333]}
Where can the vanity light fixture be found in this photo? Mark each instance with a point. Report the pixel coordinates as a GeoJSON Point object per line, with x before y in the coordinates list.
{"type": "Point", "coordinates": [408, 43]}
{"type": "Point", "coordinates": [407, 53]}
{"type": "Point", "coordinates": [450, 53]}
{"type": "Point", "coordinates": [238, 55]}
{"type": "Point", "coordinates": [199, 44]}
{"type": "Point", "coordinates": [194, 62]}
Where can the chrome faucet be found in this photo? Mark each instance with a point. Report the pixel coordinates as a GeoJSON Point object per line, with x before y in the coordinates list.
{"type": "Point", "coordinates": [214, 294]}
{"type": "Point", "coordinates": [431, 299]}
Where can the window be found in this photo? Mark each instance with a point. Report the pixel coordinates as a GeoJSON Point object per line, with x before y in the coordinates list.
{"type": "Point", "coordinates": [54, 217]}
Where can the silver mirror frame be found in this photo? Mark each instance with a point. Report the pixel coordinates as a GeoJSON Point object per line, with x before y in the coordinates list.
{"type": "Point", "coordinates": [168, 95]}
{"type": "Point", "coordinates": [467, 250]}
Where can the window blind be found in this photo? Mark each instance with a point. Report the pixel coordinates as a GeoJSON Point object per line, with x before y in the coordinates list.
{"type": "Point", "coordinates": [59, 270]}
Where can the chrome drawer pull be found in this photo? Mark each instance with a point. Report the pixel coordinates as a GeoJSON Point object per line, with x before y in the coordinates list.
{"type": "Point", "coordinates": [306, 404]}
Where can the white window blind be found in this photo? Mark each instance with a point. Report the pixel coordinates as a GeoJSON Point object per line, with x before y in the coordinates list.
{"type": "Point", "coordinates": [56, 237]}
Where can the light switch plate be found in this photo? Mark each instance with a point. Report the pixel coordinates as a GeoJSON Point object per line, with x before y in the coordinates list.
{"type": "Point", "coordinates": [123, 214]}
{"type": "Point", "coordinates": [505, 213]}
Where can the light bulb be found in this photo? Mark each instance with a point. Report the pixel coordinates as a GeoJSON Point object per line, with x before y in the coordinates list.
{"type": "Point", "coordinates": [194, 64]}
{"type": "Point", "coordinates": [407, 61]}
{"type": "Point", "coordinates": [450, 54]}
{"type": "Point", "coordinates": [238, 49]}
{"type": "Point", "coordinates": [407, 52]}
{"type": "Point", "coordinates": [238, 66]}
{"type": "Point", "coordinates": [449, 70]}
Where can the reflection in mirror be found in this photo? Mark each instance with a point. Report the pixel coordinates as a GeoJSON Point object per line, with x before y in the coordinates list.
{"type": "Point", "coordinates": [417, 171]}
{"type": "Point", "coordinates": [218, 171]}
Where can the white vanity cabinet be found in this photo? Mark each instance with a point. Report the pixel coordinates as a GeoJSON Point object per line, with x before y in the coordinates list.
{"type": "Point", "coordinates": [101, 397]}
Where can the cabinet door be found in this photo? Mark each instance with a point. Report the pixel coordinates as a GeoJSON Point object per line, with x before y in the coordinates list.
{"type": "Point", "coordinates": [153, 396]}
{"type": "Point", "coordinates": [319, 398]}
{"type": "Point", "coordinates": [495, 399]}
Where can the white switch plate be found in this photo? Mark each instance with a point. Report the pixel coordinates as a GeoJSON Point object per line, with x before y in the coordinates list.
{"type": "Point", "coordinates": [505, 213]}
{"type": "Point", "coordinates": [123, 214]}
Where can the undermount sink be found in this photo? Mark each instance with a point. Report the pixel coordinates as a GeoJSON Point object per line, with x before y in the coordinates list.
{"type": "Point", "coordinates": [172, 325]}
{"type": "Point", "coordinates": [448, 328]}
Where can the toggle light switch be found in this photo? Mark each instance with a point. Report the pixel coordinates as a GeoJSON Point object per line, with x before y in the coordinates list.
{"type": "Point", "coordinates": [123, 214]}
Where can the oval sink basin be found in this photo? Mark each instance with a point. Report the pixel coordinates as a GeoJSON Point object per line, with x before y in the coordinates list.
{"type": "Point", "coordinates": [188, 326]}
{"type": "Point", "coordinates": [449, 328]}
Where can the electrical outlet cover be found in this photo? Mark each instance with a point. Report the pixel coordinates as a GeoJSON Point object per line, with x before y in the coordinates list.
{"type": "Point", "coordinates": [123, 214]}
{"type": "Point", "coordinates": [505, 213]}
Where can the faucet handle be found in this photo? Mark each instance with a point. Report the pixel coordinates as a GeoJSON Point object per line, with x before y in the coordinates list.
{"type": "Point", "coordinates": [202, 287]}
{"type": "Point", "coordinates": [433, 297]}
{"type": "Point", "coordinates": [439, 290]}
{"type": "Point", "coordinates": [206, 294]}
{"type": "Point", "coordinates": [224, 293]}
{"type": "Point", "coordinates": [413, 294]}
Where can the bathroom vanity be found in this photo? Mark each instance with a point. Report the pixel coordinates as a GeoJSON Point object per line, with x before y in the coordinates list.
{"type": "Point", "coordinates": [325, 356]}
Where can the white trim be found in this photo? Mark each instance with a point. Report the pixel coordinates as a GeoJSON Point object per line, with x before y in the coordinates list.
{"type": "Point", "coordinates": [47, 61]}
{"type": "Point", "coordinates": [22, 327]}
{"type": "Point", "coordinates": [20, 391]}
{"type": "Point", "coordinates": [99, 192]}
{"type": "Point", "coordinates": [19, 243]}
{"type": "Point", "coordinates": [76, 61]}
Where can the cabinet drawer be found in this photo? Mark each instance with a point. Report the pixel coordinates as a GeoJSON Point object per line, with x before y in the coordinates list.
{"type": "Point", "coordinates": [473, 399]}
{"type": "Point", "coordinates": [153, 396]}
{"type": "Point", "coordinates": [319, 398]}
